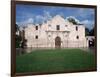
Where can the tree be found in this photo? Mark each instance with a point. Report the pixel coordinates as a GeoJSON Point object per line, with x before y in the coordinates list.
{"type": "Point", "coordinates": [72, 20]}
{"type": "Point", "coordinates": [92, 32]}
{"type": "Point", "coordinates": [18, 37]}
{"type": "Point", "coordinates": [17, 28]}
{"type": "Point", "coordinates": [87, 32]}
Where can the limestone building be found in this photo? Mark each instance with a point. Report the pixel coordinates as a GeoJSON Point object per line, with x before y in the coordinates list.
{"type": "Point", "coordinates": [55, 33]}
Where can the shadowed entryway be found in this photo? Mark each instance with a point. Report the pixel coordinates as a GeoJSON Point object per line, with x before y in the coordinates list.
{"type": "Point", "coordinates": [57, 42]}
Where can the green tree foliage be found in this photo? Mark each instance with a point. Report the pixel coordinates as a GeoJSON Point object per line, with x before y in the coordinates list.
{"type": "Point", "coordinates": [87, 32]}
{"type": "Point", "coordinates": [17, 28]}
{"type": "Point", "coordinates": [18, 41]}
{"type": "Point", "coordinates": [18, 37]}
{"type": "Point", "coordinates": [92, 32]}
{"type": "Point", "coordinates": [72, 20]}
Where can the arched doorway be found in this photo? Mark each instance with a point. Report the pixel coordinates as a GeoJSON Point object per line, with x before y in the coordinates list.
{"type": "Point", "coordinates": [57, 42]}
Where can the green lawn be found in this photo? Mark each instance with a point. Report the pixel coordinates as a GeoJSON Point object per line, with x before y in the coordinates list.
{"type": "Point", "coordinates": [55, 60]}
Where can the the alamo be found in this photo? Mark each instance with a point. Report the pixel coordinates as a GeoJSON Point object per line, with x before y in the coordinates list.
{"type": "Point", "coordinates": [55, 33]}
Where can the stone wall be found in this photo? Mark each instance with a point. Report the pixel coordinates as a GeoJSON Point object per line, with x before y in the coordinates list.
{"type": "Point", "coordinates": [47, 33]}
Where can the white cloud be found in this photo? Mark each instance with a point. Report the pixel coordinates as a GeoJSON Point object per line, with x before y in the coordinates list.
{"type": "Point", "coordinates": [47, 15]}
{"type": "Point", "coordinates": [30, 20]}
{"type": "Point", "coordinates": [61, 14]}
{"type": "Point", "coordinates": [84, 12]}
{"type": "Point", "coordinates": [24, 23]}
{"type": "Point", "coordinates": [88, 23]}
{"type": "Point", "coordinates": [42, 18]}
{"type": "Point", "coordinates": [39, 19]}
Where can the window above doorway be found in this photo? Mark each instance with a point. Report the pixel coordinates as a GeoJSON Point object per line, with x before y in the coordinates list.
{"type": "Point", "coordinates": [76, 28]}
{"type": "Point", "coordinates": [36, 37]}
{"type": "Point", "coordinates": [58, 27]}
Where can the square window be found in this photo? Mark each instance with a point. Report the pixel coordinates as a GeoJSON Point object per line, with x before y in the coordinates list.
{"type": "Point", "coordinates": [66, 25]}
{"type": "Point", "coordinates": [76, 28]}
{"type": "Point", "coordinates": [77, 37]}
{"type": "Point", "coordinates": [58, 27]}
{"type": "Point", "coordinates": [36, 37]}
{"type": "Point", "coordinates": [49, 35]}
{"type": "Point", "coordinates": [49, 25]}
{"type": "Point", "coordinates": [36, 27]}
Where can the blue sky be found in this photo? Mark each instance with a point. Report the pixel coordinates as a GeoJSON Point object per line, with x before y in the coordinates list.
{"type": "Point", "coordinates": [38, 14]}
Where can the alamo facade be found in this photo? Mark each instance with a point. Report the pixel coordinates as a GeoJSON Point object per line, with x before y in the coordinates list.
{"type": "Point", "coordinates": [55, 33]}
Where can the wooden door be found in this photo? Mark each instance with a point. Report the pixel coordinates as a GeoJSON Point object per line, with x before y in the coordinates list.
{"type": "Point", "coordinates": [57, 42]}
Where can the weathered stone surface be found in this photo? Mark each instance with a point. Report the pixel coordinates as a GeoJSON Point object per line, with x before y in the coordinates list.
{"type": "Point", "coordinates": [47, 33]}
